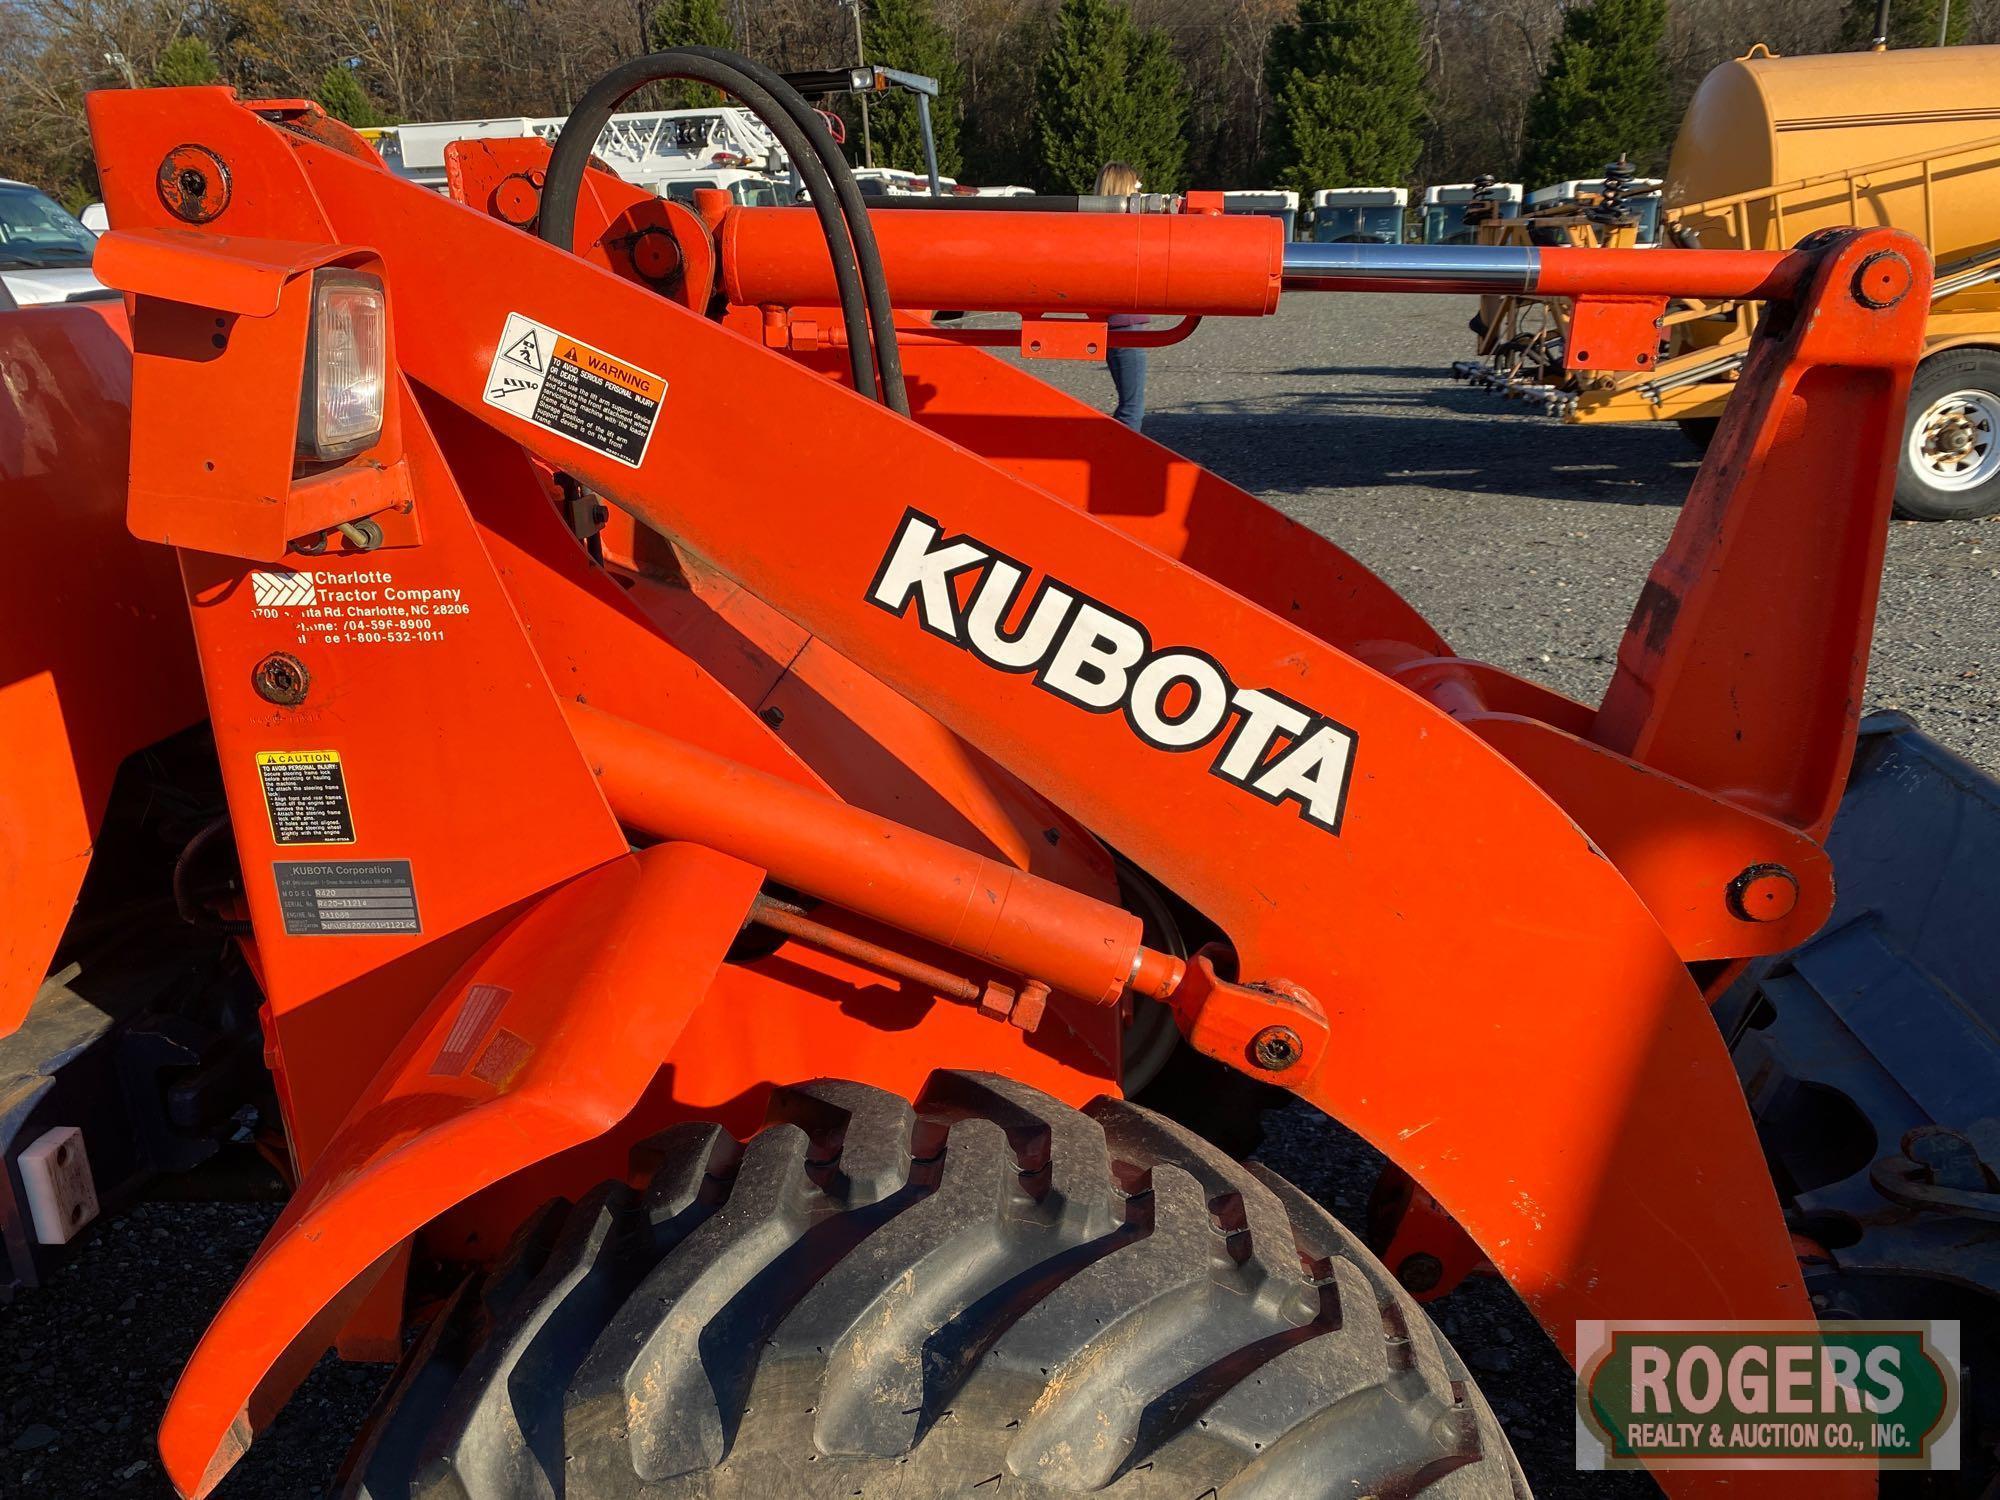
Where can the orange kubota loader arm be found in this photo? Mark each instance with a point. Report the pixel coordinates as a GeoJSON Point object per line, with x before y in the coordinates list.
{"type": "Point", "coordinates": [1433, 944]}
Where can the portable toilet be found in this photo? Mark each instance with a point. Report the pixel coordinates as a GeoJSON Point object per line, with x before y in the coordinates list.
{"type": "Point", "coordinates": [1445, 206]}
{"type": "Point", "coordinates": [1360, 216]}
{"type": "Point", "coordinates": [1271, 203]}
{"type": "Point", "coordinates": [1646, 209]}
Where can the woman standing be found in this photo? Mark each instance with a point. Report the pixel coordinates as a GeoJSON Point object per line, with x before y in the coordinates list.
{"type": "Point", "coordinates": [1117, 179]}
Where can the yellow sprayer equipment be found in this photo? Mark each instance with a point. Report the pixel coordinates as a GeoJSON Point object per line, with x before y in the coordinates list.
{"type": "Point", "coordinates": [1772, 150]}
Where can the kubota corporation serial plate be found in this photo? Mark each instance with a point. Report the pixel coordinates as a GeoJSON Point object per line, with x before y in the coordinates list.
{"type": "Point", "coordinates": [346, 897]}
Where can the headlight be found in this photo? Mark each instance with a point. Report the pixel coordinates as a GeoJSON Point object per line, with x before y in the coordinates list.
{"type": "Point", "coordinates": [347, 357]}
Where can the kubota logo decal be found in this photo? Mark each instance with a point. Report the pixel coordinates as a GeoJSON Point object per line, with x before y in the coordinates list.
{"type": "Point", "coordinates": [1174, 698]}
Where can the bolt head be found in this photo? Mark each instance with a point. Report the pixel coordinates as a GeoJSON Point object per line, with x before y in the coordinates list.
{"type": "Point", "coordinates": [281, 678]}
{"type": "Point", "coordinates": [1763, 893]}
{"type": "Point", "coordinates": [1419, 1273]}
{"type": "Point", "coordinates": [1276, 1048]}
{"type": "Point", "coordinates": [1882, 279]}
{"type": "Point", "coordinates": [193, 184]}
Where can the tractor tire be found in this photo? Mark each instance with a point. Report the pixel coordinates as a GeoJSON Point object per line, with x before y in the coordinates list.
{"type": "Point", "coordinates": [1699, 431]}
{"type": "Point", "coordinates": [1948, 468]}
{"type": "Point", "coordinates": [985, 1293]}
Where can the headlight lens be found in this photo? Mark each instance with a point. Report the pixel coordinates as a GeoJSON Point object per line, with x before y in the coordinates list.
{"type": "Point", "coordinates": [347, 360]}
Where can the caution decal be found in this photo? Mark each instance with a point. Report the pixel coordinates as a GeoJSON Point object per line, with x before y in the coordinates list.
{"type": "Point", "coordinates": [576, 391]}
{"type": "Point", "coordinates": [305, 796]}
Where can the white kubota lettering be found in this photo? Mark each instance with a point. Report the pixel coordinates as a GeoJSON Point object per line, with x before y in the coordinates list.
{"type": "Point", "coordinates": [915, 566]}
{"type": "Point", "coordinates": [1089, 654]}
{"type": "Point", "coordinates": [1091, 663]}
{"type": "Point", "coordinates": [1024, 650]}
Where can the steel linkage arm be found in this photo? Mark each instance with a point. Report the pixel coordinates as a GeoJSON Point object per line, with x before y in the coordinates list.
{"type": "Point", "coordinates": [1743, 668]}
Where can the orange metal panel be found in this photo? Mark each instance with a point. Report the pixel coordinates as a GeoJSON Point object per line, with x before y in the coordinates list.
{"type": "Point", "coordinates": [1075, 452]}
{"type": "Point", "coordinates": [243, 276]}
{"type": "Point", "coordinates": [455, 760]}
{"type": "Point", "coordinates": [872, 746]}
{"type": "Point", "coordinates": [536, 1047]}
{"type": "Point", "coordinates": [779, 1020]}
{"type": "Point", "coordinates": [1681, 848]}
{"type": "Point", "coordinates": [95, 656]}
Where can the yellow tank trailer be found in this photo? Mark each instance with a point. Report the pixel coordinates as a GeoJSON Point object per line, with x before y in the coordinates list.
{"type": "Point", "coordinates": [1773, 148]}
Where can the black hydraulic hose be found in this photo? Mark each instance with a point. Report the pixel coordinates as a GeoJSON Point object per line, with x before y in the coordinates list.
{"type": "Point", "coordinates": [186, 901]}
{"type": "Point", "coordinates": [881, 317]}
{"type": "Point", "coordinates": [564, 184]}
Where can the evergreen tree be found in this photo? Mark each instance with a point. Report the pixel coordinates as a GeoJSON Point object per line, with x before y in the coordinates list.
{"type": "Point", "coordinates": [184, 63]}
{"type": "Point", "coordinates": [1912, 23]}
{"type": "Point", "coordinates": [997, 138]}
{"type": "Point", "coordinates": [1605, 93]}
{"type": "Point", "coordinates": [1108, 91]}
{"type": "Point", "coordinates": [689, 23]}
{"type": "Point", "coordinates": [1347, 80]}
{"type": "Point", "coordinates": [904, 34]}
{"type": "Point", "coordinates": [342, 96]}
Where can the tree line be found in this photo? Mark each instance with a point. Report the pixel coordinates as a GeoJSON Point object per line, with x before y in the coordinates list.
{"type": "Point", "coordinates": [1212, 93]}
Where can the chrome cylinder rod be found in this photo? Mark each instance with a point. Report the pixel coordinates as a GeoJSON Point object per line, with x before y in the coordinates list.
{"type": "Point", "coordinates": [1480, 269]}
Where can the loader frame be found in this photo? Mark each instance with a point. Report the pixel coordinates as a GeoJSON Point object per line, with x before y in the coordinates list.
{"type": "Point", "coordinates": [1458, 910]}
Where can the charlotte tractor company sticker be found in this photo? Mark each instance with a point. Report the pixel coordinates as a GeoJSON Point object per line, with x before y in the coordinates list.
{"type": "Point", "coordinates": [568, 388]}
{"type": "Point", "coordinates": [356, 605]}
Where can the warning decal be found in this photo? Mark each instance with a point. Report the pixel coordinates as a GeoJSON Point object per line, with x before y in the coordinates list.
{"type": "Point", "coordinates": [477, 1012]}
{"type": "Point", "coordinates": [334, 897]}
{"type": "Point", "coordinates": [305, 794]}
{"type": "Point", "coordinates": [574, 390]}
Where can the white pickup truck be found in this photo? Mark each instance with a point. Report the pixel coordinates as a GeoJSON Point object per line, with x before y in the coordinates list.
{"type": "Point", "coordinates": [44, 251]}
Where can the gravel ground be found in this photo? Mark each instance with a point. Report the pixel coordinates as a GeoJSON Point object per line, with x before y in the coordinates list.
{"type": "Point", "coordinates": [1525, 542]}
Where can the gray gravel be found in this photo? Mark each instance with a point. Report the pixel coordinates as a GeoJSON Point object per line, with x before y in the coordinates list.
{"type": "Point", "coordinates": [1525, 541]}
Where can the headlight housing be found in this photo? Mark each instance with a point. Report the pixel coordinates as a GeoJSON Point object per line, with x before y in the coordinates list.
{"type": "Point", "coordinates": [347, 366]}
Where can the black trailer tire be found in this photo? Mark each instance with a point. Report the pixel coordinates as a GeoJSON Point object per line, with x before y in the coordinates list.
{"type": "Point", "coordinates": [985, 1293]}
{"type": "Point", "coordinates": [1948, 466]}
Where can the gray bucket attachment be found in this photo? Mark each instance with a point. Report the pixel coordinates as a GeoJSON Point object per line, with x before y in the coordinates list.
{"type": "Point", "coordinates": [1871, 1058]}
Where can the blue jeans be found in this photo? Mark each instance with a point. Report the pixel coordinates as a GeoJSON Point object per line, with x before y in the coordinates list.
{"type": "Point", "coordinates": [1128, 374]}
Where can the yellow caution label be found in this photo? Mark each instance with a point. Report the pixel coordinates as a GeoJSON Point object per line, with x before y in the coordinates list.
{"type": "Point", "coordinates": [305, 795]}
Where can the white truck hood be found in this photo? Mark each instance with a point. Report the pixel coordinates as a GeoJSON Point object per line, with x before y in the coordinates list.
{"type": "Point", "coordinates": [56, 284]}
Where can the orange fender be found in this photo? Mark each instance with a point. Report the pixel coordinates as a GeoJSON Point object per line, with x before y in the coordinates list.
{"type": "Point", "coordinates": [544, 1041]}
{"type": "Point", "coordinates": [96, 661]}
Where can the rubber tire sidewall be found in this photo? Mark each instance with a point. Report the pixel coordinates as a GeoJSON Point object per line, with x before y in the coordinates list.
{"type": "Point", "coordinates": [1958, 369]}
